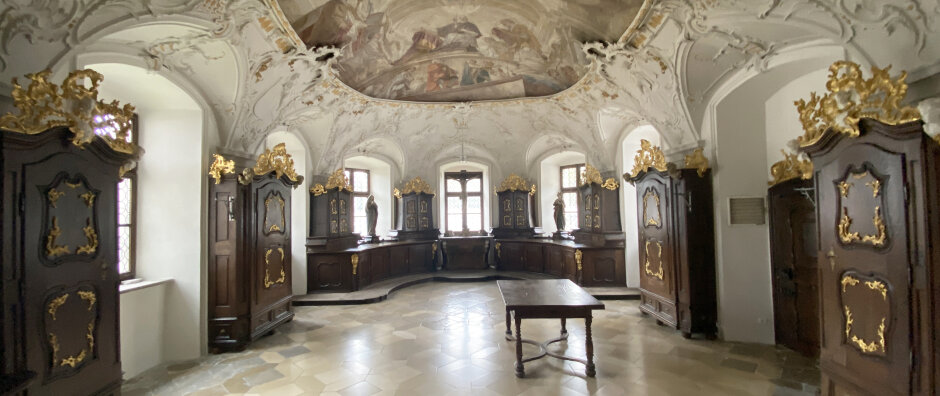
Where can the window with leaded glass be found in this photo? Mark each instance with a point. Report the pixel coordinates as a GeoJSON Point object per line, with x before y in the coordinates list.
{"type": "Point", "coordinates": [106, 126]}
{"type": "Point", "coordinates": [359, 180]}
{"type": "Point", "coordinates": [570, 180]}
{"type": "Point", "coordinates": [463, 192]}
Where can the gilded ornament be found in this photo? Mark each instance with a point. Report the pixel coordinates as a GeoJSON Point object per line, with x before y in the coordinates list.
{"type": "Point", "coordinates": [338, 180]}
{"type": "Point", "coordinates": [54, 344]}
{"type": "Point", "coordinates": [659, 273]}
{"type": "Point", "coordinates": [397, 193]}
{"type": "Point", "coordinates": [55, 304]}
{"type": "Point", "coordinates": [590, 175]}
{"type": "Point", "coordinates": [267, 208]}
{"type": "Point", "coordinates": [91, 236]}
{"type": "Point", "coordinates": [847, 236]}
{"type": "Point", "coordinates": [851, 98]}
{"type": "Point", "coordinates": [89, 297]}
{"type": "Point", "coordinates": [697, 161]}
{"type": "Point", "coordinates": [54, 196]}
{"type": "Point", "coordinates": [611, 184]}
{"type": "Point", "coordinates": [317, 190]}
{"type": "Point", "coordinates": [648, 156]}
{"type": "Point", "coordinates": [278, 161]}
{"type": "Point", "coordinates": [354, 260]}
{"type": "Point", "coordinates": [220, 167]}
{"type": "Point", "coordinates": [89, 198]}
{"type": "Point", "coordinates": [577, 258]}
{"type": "Point", "coordinates": [417, 185]}
{"type": "Point", "coordinates": [497, 246]}
{"type": "Point", "coordinates": [52, 249]}
{"type": "Point", "coordinates": [649, 220]}
{"type": "Point", "coordinates": [515, 183]}
{"type": "Point", "coordinates": [44, 105]}
{"type": "Point", "coordinates": [875, 187]}
{"type": "Point", "coordinates": [267, 263]}
{"type": "Point", "coordinates": [844, 188]}
{"type": "Point", "coordinates": [863, 345]}
{"type": "Point", "coordinates": [791, 167]}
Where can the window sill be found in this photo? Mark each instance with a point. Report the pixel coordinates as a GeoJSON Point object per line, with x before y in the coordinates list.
{"type": "Point", "coordinates": [138, 284]}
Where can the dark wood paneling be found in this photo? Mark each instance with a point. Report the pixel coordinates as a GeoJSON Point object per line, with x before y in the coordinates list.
{"type": "Point", "coordinates": [466, 253]}
{"type": "Point", "coordinates": [878, 287]}
{"type": "Point", "coordinates": [793, 266]}
{"type": "Point", "coordinates": [60, 282]}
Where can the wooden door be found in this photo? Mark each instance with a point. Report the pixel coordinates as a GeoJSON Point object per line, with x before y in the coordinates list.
{"type": "Point", "coordinates": [865, 264]}
{"type": "Point", "coordinates": [793, 266]}
{"type": "Point", "coordinates": [555, 263]}
{"type": "Point", "coordinates": [329, 272]}
{"type": "Point", "coordinates": [228, 299]}
{"type": "Point", "coordinates": [510, 256]}
{"type": "Point", "coordinates": [534, 261]}
{"type": "Point", "coordinates": [419, 258]}
{"type": "Point", "coordinates": [272, 250]}
{"type": "Point", "coordinates": [70, 289]}
{"type": "Point", "coordinates": [657, 274]}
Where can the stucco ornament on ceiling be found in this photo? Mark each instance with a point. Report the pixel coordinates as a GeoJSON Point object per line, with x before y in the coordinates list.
{"type": "Point", "coordinates": [459, 50]}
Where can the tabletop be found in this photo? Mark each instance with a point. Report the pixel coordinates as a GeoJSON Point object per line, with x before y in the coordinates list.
{"type": "Point", "coordinates": [562, 293]}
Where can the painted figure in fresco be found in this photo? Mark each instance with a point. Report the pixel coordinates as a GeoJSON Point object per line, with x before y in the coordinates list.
{"type": "Point", "coordinates": [372, 215]}
{"type": "Point", "coordinates": [559, 212]}
{"type": "Point", "coordinates": [440, 76]}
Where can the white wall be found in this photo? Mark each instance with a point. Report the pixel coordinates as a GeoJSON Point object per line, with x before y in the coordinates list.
{"type": "Point", "coordinates": [142, 312]}
{"type": "Point", "coordinates": [169, 219]}
{"type": "Point", "coordinates": [782, 122]}
{"type": "Point", "coordinates": [550, 185]}
{"type": "Point", "coordinates": [381, 185]}
{"type": "Point", "coordinates": [630, 145]}
{"type": "Point", "coordinates": [299, 208]}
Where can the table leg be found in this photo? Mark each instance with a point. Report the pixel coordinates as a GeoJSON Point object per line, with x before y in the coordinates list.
{"type": "Point", "coordinates": [564, 331]}
{"type": "Point", "coordinates": [508, 325]}
{"type": "Point", "coordinates": [589, 346]}
{"type": "Point", "coordinates": [520, 371]}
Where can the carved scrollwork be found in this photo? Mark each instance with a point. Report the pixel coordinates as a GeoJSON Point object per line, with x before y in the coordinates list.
{"type": "Point", "coordinates": [658, 274]}
{"type": "Point", "coordinates": [844, 228]}
{"type": "Point", "coordinates": [590, 175]}
{"type": "Point", "coordinates": [417, 185]}
{"type": "Point", "coordinates": [338, 180]}
{"type": "Point", "coordinates": [868, 346]}
{"type": "Point", "coordinates": [791, 167]}
{"type": "Point", "coordinates": [274, 197]}
{"type": "Point", "coordinates": [52, 308]}
{"type": "Point", "coordinates": [267, 264]}
{"type": "Point", "coordinates": [697, 161]}
{"type": "Point", "coordinates": [648, 156]}
{"type": "Point", "coordinates": [515, 183]}
{"type": "Point", "coordinates": [317, 190]}
{"type": "Point", "coordinates": [647, 219]}
{"type": "Point", "coordinates": [220, 167]}
{"type": "Point", "coordinates": [577, 258]}
{"type": "Point", "coordinates": [277, 160]}
{"type": "Point", "coordinates": [354, 260]}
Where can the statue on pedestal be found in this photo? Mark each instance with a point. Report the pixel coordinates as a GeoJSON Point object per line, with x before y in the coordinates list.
{"type": "Point", "coordinates": [559, 213]}
{"type": "Point", "coordinates": [372, 216]}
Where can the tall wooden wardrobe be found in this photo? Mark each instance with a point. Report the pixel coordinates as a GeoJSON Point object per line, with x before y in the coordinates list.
{"type": "Point", "coordinates": [59, 241]}
{"type": "Point", "coordinates": [878, 196]}
{"type": "Point", "coordinates": [249, 248]}
{"type": "Point", "coordinates": [676, 240]}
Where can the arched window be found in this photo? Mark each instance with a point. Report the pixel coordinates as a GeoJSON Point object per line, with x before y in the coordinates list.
{"type": "Point", "coordinates": [560, 173]}
{"type": "Point", "coordinates": [464, 200]}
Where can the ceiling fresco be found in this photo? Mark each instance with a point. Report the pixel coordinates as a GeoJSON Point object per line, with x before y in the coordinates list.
{"type": "Point", "coordinates": [459, 50]}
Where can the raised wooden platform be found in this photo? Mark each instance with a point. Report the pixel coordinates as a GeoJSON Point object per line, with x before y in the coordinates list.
{"type": "Point", "coordinates": [380, 291]}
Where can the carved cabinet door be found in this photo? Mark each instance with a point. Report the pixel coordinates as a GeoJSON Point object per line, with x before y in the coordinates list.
{"type": "Point", "coordinates": [272, 255]}
{"type": "Point", "coordinates": [657, 275]}
{"type": "Point", "coordinates": [864, 265]}
{"type": "Point", "coordinates": [68, 214]}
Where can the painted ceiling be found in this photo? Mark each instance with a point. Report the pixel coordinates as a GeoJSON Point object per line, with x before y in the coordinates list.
{"type": "Point", "coordinates": [459, 50]}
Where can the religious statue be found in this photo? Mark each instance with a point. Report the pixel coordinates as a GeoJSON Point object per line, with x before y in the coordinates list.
{"type": "Point", "coordinates": [559, 212]}
{"type": "Point", "coordinates": [372, 215]}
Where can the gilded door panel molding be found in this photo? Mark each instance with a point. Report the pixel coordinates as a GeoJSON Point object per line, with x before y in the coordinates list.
{"type": "Point", "coordinates": [267, 266]}
{"type": "Point", "coordinates": [70, 226]}
{"type": "Point", "coordinates": [274, 199]}
{"type": "Point", "coordinates": [866, 307]}
{"type": "Point", "coordinates": [859, 196]}
{"type": "Point", "coordinates": [69, 328]}
{"type": "Point", "coordinates": [651, 196]}
{"type": "Point", "coordinates": [658, 248]}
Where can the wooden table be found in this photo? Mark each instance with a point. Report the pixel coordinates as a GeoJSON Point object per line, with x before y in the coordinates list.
{"type": "Point", "coordinates": [548, 299]}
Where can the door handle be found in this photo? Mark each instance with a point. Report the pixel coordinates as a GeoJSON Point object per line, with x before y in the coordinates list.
{"type": "Point", "coordinates": [832, 259]}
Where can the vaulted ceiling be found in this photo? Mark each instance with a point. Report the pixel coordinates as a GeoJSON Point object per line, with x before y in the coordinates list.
{"type": "Point", "coordinates": [259, 66]}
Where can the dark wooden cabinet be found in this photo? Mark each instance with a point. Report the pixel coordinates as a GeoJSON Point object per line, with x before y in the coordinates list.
{"type": "Point", "coordinates": [466, 253]}
{"type": "Point", "coordinates": [583, 264]}
{"type": "Point", "coordinates": [677, 248]}
{"type": "Point", "coordinates": [331, 214]}
{"type": "Point", "coordinates": [249, 277]}
{"type": "Point", "coordinates": [794, 272]}
{"type": "Point", "coordinates": [59, 264]}
{"type": "Point", "coordinates": [416, 212]}
{"type": "Point", "coordinates": [514, 199]}
{"type": "Point", "coordinates": [355, 268]}
{"type": "Point", "coordinates": [599, 211]}
{"type": "Point", "coordinates": [876, 203]}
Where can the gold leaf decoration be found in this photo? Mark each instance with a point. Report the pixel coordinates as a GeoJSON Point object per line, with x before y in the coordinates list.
{"type": "Point", "coordinates": [338, 180]}
{"type": "Point", "coordinates": [610, 184]}
{"type": "Point", "coordinates": [514, 183]}
{"type": "Point", "coordinates": [91, 236]}
{"type": "Point", "coordinates": [44, 105]}
{"type": "Point", "coordinates": [55, 304]}
{"type": "Point", "coordinates": [89, 198]}
{"type": "Point", "coordinates": [697, 161]}
{"type": "Point", "coordinates": [89, 297]}
{"type": "Point", "coordinates": [648, 156]}
{"type": "Point", "coordinates": [658, 274]}
{"type": "Point", "coordinates": [396, 193]}
{"type": "Point", "coordinates": [354, 260]}
{"type": "Point", "coordinates": [590, 175]}
{"type": "Point", "coordinates": [863, 345]}
{"type": "Point", "coordinates": [52, 249]}
{"type": "Point", "coordinates": [577, 258]}
{"type": "Point", "coordinates": [54, 196]}
{"type": "Point", "coordinates": [791, 167]}
{"type": "Point", "coordinates": [417, 185]}
{"type": "Point", "coordinates": [278, 161]}
{"type": "Point", "coordinates": [267, 263]}
{"type": "Point", "coordinates": [317, 190]}
{"type": "Point", "coordinates": [851, 98]}
{"type": "Point", "coordinates": [220, 167]}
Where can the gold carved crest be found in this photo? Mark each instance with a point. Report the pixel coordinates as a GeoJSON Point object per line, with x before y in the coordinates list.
{"type": "Point", "coordinates": [417, 185]}
{"type": "Point", "coordinates": [591, 175]}
{"type": "Point", "coordinates": [515, 183]}
{"type": "Point", "coordinates": [338, 180]}
{"type": "Point", "coordinates": [791, 167]}
{"type": "Point", "coordinates": [278, 161]}
{"type": "Point", "coordinates": [648, 156]}
{"type": "Point", "coordinates": [697, 161]}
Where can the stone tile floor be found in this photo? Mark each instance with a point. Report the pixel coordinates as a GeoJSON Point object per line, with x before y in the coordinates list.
{"type": "Point", "coordinates": [447, 339]}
